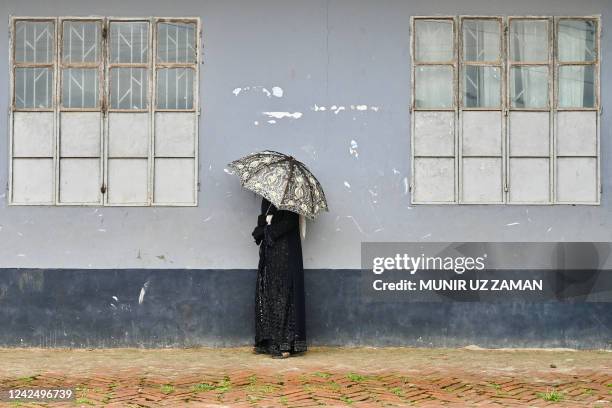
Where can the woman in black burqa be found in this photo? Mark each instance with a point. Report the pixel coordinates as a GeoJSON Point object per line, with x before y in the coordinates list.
{"type": "Point", "coordinates": [280, 328]}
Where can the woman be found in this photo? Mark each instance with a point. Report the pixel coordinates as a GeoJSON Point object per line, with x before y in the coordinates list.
{"type": "Point", "coordinates": [280, 328]}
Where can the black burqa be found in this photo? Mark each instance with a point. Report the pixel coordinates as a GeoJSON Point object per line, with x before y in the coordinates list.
{"type": "Point", "coordinates": [279, 295]}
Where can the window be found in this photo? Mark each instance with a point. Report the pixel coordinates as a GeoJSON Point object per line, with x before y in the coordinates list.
{"type": "Point", "coordinates": [505, 110]}
{"type": "Point", "coordinates": [104, 111]}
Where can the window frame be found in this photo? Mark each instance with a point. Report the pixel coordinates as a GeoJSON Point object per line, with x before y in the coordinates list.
{"type": "Point", "coordinates": [506, 63]}
{"type": "Point", "coordinates": [551, 40]}
{"type": "Point", "coordinates": [597, 102]}
{"type": "Point", "coordinates": [104, 65]}
{"type": "Point", "coordinates": [454, 109]}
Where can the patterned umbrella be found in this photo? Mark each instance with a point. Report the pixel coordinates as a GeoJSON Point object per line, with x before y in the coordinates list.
{"type": "Point", "coordinates": [284, 181]}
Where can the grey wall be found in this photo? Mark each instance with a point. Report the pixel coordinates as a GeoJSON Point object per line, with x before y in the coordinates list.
{"type": "Point", "coordinates": [324, 53]}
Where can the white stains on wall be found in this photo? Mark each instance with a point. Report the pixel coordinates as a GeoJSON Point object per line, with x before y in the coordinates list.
{"type": "Point", "coordinates": [353, 149]}
{"type": "Point", "coordinates": [277, 91]}
{"type": "Point", "coordinates": [143, 291]}
{"type": "Point", "coordinates": [356, 223]}
{"type": "Point", "coordinates": [512, 224]}
{"type": "Point", "coordinates": [406, 186]}
{"type": "Point", "coordinates": [347, 184]}
{"type": "Point", "coordinates": [336, 109]}
{"type": "Point", "coordinates": [281, 115]}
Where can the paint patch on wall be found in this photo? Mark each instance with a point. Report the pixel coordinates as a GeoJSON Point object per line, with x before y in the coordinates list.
{"type": "Point", "coordinates": [277, 91]}
{"type": "Point", "coordinates": [282, 115]}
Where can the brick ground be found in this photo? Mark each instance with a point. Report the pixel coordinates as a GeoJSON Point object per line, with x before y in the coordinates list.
{"type": "Point", "coordinates": [365, 377]}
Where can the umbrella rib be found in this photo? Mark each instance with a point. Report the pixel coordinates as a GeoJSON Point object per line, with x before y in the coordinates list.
{"type": "Point", "coordinates": [311, 190]}
{"type": "Point", "coordinates": [291, 166]}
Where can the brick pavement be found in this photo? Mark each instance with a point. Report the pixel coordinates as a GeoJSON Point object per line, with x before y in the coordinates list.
{"type": "Point", "coordinates": [323, 377]}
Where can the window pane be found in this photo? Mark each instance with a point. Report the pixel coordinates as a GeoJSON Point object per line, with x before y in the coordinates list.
{"type": "Point", "coordinates": [481, 40]}
{"type": "Point", "coordinates": [434, 87]}
{"type": "Point", "coordinates": [175, 88]}
{"type": "Point", "coordinates": [176, 42]}
{"type": "Point", "coordinates": [577, 40]}
{"type": "Point", "coordinates": [433, 40]}
{"type": "Point", "coordinates": [529, 40]}
{"type": "Point", "coordinates": [33, 88]}
{"type": "Point", "coordinates": [577, 86]}
{"type": "Point", "coordinates": [481, 87]}
{"type": "Point", "coordinates": [80, 88]}
{"type": "Point", "coordinates": [129, 42]}
{"type": "Point", "coordinates": [34, 41]}
{"type": "Point", "coordinates": [128, 88]}
{"type": "Point", "coordinates": [529, 87]}
{"type": "Point", "coordinates": [81, 42]}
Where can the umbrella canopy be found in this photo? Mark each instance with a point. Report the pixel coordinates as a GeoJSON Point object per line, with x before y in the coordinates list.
{"type": "Point", "coordinates": [284, 181]}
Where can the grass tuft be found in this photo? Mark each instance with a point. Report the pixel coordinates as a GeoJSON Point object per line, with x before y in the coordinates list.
{"type": "Point", "coordinates": [552, 396]}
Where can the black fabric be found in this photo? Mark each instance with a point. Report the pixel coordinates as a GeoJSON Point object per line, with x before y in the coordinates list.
{"type": "Point", "coordinates": [279, 298]}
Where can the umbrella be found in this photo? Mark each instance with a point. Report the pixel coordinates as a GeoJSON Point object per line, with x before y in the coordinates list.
{"type": "Point", "coordinates": [284, 181]}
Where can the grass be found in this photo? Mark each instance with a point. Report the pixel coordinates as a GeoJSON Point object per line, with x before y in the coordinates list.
{"type": "Point", "coordinates": [552, 396]}
{"type": "Point", "coordinates": [223, 386]}
{"type": "Point", "coordinates": [84, 400]}
{"type": "Point", "coordinates": [283, 400]}
{"type": "Point", "coordinates": [321, 375]}
{"type": "Point", "coordinates": [202, 387]}
{"type": "Point", "coordinates": [397, 391]}
{"type": "Point", "coordinates": [27, 380]}
{"type": "Point", "coordinates": [495, 385]}
{"type": "Point", "coordinates": [346, 400]}
{"type": "Point", "coordinates": [355, 377]}
{"type": "Point", "coordinates": [167, 388]}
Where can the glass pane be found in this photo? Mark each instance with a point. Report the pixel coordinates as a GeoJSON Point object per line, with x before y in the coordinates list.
{"type": "Point", "coordinates": [529, 87]}
{"type": "Point", "coordinates": [529, 40]}
{"type": "Point", "coordinates": [34, 41]}
{"type": "Point", "coordinates": [80, 88]}
{"type": "Point", "coordinates": [434, 40]}
{"type": "Point", "coordinates": [481, 40]}
{"type": "Point", "coordinates": [175, 88]}
{"type": "Point", "coordinates": [577, 86]}
{"type": "Point", "coordinates": [577, 40]}
{"type": "Point", "coordinates": [128, 88]}
{"type": "Point", "coordinates": [33, 88]}
{"type": "Point", "coordinates": [481, 87]}
{"type": "Point", "coordinates": [434, 87]}
{"type": "Point", "coordinates": [81, 41]}
{"type": "Point", "coordinates": [129, 42]}
{"type": "Point", "coordinates": [176, 42]}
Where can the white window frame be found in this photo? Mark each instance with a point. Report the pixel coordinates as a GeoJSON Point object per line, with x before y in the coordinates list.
{"type": "Point", "coordinates": [505, 104]}
{"type": "Point", "coordinates": [104, 104]}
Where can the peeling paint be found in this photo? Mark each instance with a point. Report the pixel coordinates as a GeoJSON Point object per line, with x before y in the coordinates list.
{"type": "Point", "coordinates": [143, 291]}
{"type": "Point", "coordinates": [277, 91]}
{"type": "Point", "coordinates": [281, 115]}
{"type": "Point", "coordinates": [353, 149]}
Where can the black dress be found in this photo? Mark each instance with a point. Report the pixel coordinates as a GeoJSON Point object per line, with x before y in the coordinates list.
{"type": "Point", "coordinates": [279, 295]}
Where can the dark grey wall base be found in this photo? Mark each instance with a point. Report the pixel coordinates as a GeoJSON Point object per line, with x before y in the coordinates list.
{"type": "Point", "coordinates": [176, 308]}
